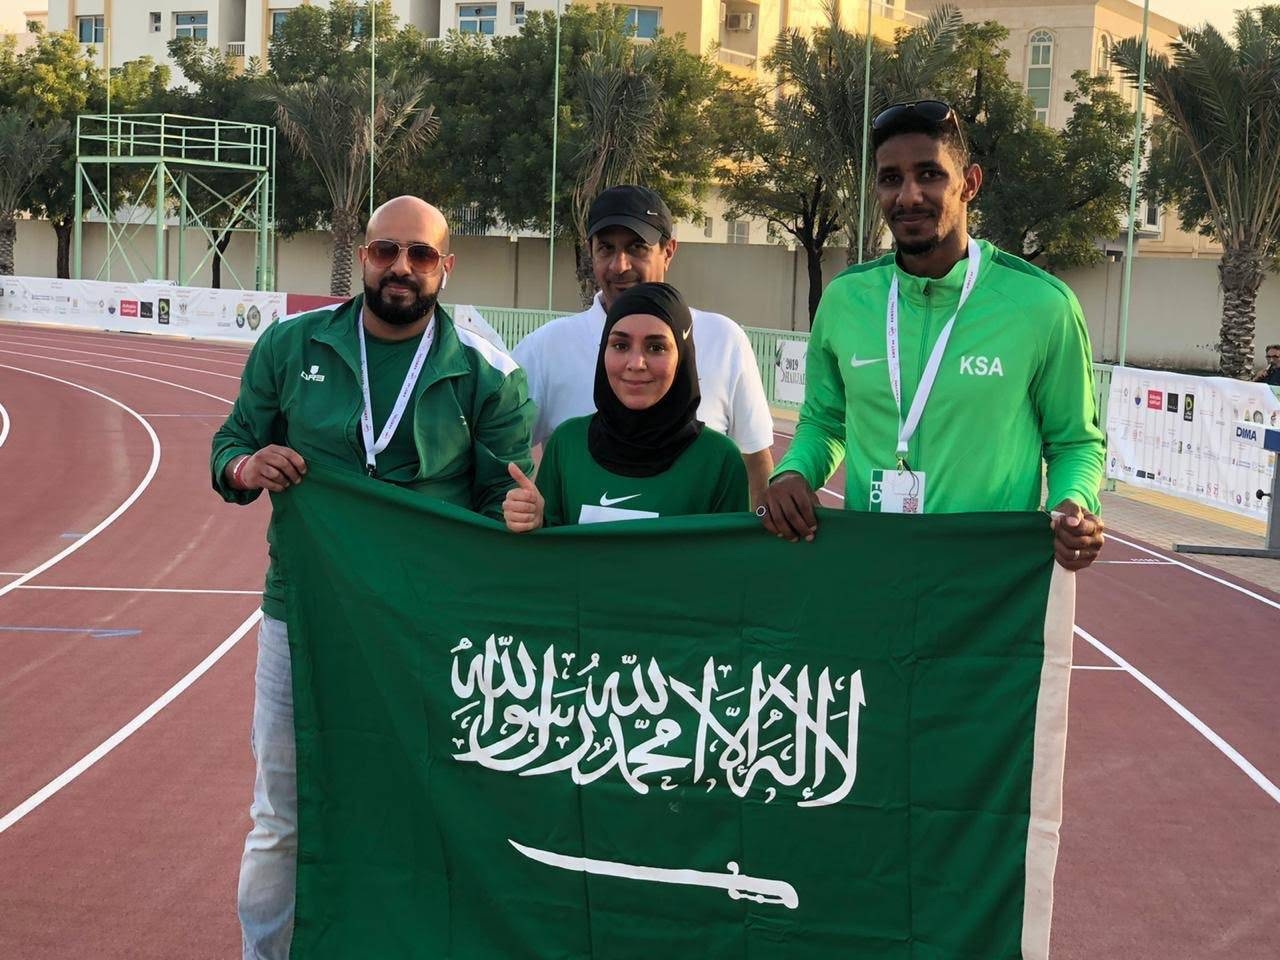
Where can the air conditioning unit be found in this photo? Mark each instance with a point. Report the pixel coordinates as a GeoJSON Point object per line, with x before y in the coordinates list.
{"type": "Point", "coordinates": [739, 22]}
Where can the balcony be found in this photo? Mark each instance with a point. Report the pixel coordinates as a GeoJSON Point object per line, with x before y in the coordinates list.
{"type": "Point", "coordinates": [734, 58]}
{"type": "Point", "coordinates": [235, 53]}
{"type": "Point", "coordinates": [740, 35]}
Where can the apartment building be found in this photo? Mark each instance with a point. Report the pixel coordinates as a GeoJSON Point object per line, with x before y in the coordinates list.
{"type": "Point", "coordinates": [242, 28]}
{"type": "Point", "coordinates": [17, 16]}
{"type": "Point", "coordinates": [1048, 41]}
{"type": "Point", "coordinates": [741, 31]}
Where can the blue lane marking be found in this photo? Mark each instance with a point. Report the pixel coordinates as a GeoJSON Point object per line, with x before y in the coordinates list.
{"type": "Point", "coordinates": [95, 633]}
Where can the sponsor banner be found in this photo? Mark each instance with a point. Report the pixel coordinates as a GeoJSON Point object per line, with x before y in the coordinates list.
{"type": "Point", "coordinates": [141, 307]}
{"type": "Point", "coordinates": [788, 370]}
{"type": "Point", "coordinates": [1192, 437]}
{"type": "Point", "coordinates": [501, 755]}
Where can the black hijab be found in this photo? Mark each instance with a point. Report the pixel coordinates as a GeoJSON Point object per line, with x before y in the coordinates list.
{"type": "Point", "coordinates": [645, 443]}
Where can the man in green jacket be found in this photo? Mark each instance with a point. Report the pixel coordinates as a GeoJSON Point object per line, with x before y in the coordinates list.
{"type": "Point", "coordinates": [384, 384]}
{"type": "Point", "coordinates": [945, 373]}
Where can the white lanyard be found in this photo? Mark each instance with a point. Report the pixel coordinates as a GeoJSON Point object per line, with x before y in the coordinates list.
{"type": "Point", "coordinates": [374, 447]}
{"type": "Point", "coordinates": [907, 428]}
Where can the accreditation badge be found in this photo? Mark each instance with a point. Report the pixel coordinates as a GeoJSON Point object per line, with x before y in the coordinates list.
{"type": "Point", "coordinates": [897, 491]}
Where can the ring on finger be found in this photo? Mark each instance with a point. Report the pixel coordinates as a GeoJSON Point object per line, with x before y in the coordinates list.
{"type": "Point", "coordinates": [1077, 556]}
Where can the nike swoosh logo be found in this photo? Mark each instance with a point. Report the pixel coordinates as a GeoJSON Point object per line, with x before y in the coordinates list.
{"type": "Point", "coordinates": [855, 362]}
{"type": "Point", "coordinates": [606, 502]}
{"type": "Point", "coordinates": [683, 336]}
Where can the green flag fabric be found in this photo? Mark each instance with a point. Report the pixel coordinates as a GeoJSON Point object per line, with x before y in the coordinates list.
{"type": "Point", "coordinates": [671, 738]}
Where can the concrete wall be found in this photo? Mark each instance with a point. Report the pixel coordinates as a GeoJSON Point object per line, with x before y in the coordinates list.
{"type": "Point", "coordinates": [1174, 319]}
{"type": "Point", "coordinates": [1175, 313]}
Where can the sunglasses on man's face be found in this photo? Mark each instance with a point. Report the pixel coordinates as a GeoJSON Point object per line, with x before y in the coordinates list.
{"type": "Point", "coordinates": [935, 112]}
{"type": "Point", "coordinates": [423, 257]}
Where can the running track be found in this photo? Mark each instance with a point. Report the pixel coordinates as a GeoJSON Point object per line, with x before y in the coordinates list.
{"type": "Point", "coordinates": [128, 597]}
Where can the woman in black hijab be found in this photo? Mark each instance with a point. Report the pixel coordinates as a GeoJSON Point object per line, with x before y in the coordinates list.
{"type": "Point", "coordinates": [643, 453]}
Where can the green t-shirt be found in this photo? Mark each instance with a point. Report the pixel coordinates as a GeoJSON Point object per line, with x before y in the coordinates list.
{"type": "Point", "coordinates": [389, 361]}
{"type": "Point", "coordinates": [709, 477]}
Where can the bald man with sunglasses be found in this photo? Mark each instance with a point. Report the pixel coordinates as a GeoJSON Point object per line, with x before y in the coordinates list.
{"type": "Point", "coordinates": [385, 385]}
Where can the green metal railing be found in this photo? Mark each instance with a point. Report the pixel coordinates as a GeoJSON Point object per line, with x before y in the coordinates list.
{"type": "Point", "coordinates": [514, 325]}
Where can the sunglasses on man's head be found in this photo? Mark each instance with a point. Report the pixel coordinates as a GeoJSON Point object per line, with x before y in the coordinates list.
{"type": "Point", "coordinates": [935, 112]}
{"type": "Point", "coordinates": [422, 256]}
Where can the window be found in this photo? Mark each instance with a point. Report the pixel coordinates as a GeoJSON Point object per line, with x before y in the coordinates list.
{"type": "Point", "coordinates": [91, 29]}
{"type": "Point", "coordinates": [277, 20]}
{"type": "Point", "coordinates": [517, 14]}
{"type": "Point", "coordinates": [643, 22]}
{"type": "Point", "coordinates": [1151, 215]}
{"type": "Point", "coordinates": [195, 25]}
{"type": "Point", "coordinates": [739, 231]}
{"type": "Point", "coordinates": [1040, 73]}
{"type": "Point", "coordinates": [478, 18]}
{"type": "Point", "coordinates": [157, 21]}
{"type": "Point", "coordinates": [1104, 55]}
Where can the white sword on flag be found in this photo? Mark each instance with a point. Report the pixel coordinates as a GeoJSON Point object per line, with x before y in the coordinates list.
{"type": "Point", "coordinates": [739, 886]}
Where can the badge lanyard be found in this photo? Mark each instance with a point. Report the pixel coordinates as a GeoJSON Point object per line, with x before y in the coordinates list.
{"type": "Point", "coordinates": [374, 447]}
{"type": "Point", "coordinates": [907, 427]}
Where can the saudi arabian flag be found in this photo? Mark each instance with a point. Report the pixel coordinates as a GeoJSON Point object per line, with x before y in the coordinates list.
{"type": "Point", "coordinates": [671, 738]}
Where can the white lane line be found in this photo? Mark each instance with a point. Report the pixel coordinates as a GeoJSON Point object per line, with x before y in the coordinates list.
{"type": "Point", "coordinates": [1199, 573]}
{"type": "Point", "coordinates": [116, 356]}
{"type": "Point", "coordinates": [123, 373]}
{"type": "Point", "coordinates": [4, 424]}
{"type": "Point", "coordinates": [198, 350]}
{"type": "Point", "coordinates": [117, 738]}
{"type": "Point", "coordinates": [236, 593]}
{"type": "Point", "coordinates": [1139, 562]}
{"type": "Point", "coordinates": [1086, 666]}
{"type": "Point", "coordinates": [116, 513]}
{"type": "Point", "coordinates": [1230, 752]}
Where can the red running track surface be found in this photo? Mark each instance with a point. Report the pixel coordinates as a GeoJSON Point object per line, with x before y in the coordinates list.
{"type": "Point", "coordinates": [1171, 841]}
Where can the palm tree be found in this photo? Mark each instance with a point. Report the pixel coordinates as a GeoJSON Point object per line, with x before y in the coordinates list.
{"type": "Point", "coordinates": [1216, 155]}
{"type": "Point", "coordinates": [328, 122]}
{"type": "Point", "coordinates": [27, 149]}
{"type": "Point", "coordinates": [622, 115]}
{"type": "Point", "coordinates": [823, 75]}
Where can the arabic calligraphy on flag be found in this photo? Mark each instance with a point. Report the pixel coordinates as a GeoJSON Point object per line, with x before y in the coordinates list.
{"type": "Point", "coordinates": [671, 736]}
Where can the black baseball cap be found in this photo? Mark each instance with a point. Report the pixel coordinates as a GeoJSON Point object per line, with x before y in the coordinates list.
{"type": "Point", "coordinates": [636, 208]}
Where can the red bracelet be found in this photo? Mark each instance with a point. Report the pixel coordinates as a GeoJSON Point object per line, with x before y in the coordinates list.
{"type": "Point", "coordinates": [235, 474]}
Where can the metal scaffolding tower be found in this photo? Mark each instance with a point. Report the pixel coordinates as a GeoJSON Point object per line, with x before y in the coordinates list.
{"type": "Point", "coordinates": [210, 176]}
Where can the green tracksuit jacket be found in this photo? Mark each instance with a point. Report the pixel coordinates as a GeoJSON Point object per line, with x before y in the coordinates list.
{"type": "Point", "coordinates": [470, 412]}
{"type": "Point", "coordinates": [1015, 387]}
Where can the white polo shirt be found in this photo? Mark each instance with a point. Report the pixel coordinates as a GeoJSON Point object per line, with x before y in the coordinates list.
{"type": "Point", "coordinates": [559, 359]}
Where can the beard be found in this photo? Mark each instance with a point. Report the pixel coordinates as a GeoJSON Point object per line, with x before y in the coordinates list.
{"type": "Point", "coordinates": [399, 314]}
{"type": "Point", "coordinates": [918, 248]}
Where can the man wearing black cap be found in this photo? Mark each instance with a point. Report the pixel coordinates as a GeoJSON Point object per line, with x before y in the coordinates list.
{"type": "Point", "coordinates": [977, 378]}
{"type": "Point", "coordinates": [630, 233]}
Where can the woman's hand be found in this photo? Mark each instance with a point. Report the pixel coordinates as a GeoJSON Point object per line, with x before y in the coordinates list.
{"type": "Point", "coordinates": [522, 509]}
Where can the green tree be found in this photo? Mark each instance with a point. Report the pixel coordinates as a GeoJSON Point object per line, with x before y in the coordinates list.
{"type": "Point", "coordinates": [1215, 154]}
{"type": "Point", "coordinates": [1047, 195]}
{"type": "Point", "coordinates": [767, 174]}
{"type": "Point", "coordinates": [495, 102]}
{"type": "Point", "coordinates": [55, 80]}
{"type": "Point", "coordinates": [26, 150]}
{"type": "Point", "coordinates": [822, 75]}
{"type": "Point", "coordinates": [328, 122]}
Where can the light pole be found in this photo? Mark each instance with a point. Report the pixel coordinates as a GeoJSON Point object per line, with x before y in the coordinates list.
{"type": "Point", "coordinates": [555, 146]}
{"type": "Point", "coordinates": [866, 126]}
{"type": "Point", "coordinates": [373, 67]}
{"type": "Point", "coordinates": [1127, 284]}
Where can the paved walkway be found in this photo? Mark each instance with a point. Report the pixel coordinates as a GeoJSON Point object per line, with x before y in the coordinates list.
{"type": "Point", "coordinates": [1162, 521]}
